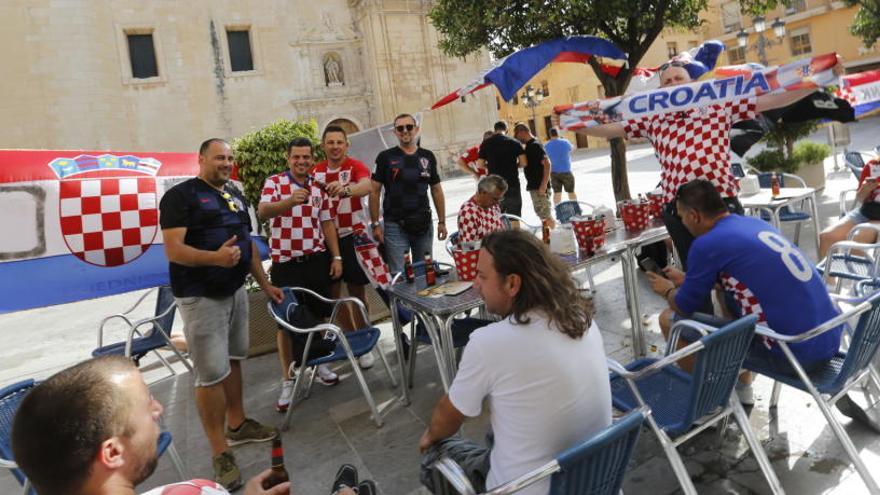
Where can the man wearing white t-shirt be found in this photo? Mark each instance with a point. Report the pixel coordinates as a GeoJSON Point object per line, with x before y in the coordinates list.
{"type": "Point", "coordinates": [542, 369]}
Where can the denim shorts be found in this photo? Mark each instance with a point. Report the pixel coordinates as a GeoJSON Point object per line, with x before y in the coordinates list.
{"type": "Point", "coordinates": [856, 217]}
{"type": "Point", "coordinates": [216, 331]}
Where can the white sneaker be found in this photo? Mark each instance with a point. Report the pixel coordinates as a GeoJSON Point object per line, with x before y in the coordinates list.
{"type": "Point", "coordinates": [746, 394]}
{"type": "Point", "coordinates": [286, 396]}
{"type": "Point", "coordinates": [326, 376]}
{"type": "Point", "coordinates": [367, 360]}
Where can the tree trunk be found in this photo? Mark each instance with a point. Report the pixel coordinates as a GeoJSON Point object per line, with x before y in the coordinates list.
{"type": "Point", "coordinates": [619, 176]}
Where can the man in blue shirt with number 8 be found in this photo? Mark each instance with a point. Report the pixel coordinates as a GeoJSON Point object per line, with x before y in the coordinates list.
{"type": "Point", "coordinates": [762, 273]}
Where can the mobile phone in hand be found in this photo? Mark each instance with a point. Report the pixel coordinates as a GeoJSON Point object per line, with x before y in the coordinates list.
{"type": "Point", "coordinates": [649, 265]}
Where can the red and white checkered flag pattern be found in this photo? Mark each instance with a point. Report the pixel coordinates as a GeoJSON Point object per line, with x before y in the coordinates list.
{"type": "Point", "coordinates": [694, 144]}
{"type": "Point", "coordinates": [371, 261]}
{"type": "Point", "coordinates": [108, 221]}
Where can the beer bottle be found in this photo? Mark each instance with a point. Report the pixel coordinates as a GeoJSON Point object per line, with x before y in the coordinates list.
{"type": "Point", "coordinates": [430, 275]}
{"type": "Point", "coordinates": [407, 268]}
{"type": "Point", "coordinates": [279, 473]}
{"type": "Point", "coordinates": [774, 184]}
{"type": "Point", "coordinates": [545, 232]}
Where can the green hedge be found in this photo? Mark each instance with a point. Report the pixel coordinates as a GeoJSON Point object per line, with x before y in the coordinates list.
{"type": "Point", "coordinates": [805, 152]}
{"type": "Point", "coordinates": [263, 152]}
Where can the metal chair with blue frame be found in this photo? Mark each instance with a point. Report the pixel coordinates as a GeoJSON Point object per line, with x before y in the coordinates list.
{"type": "Point", "coordinates": [571, 208]}
{"type": "Point", "coordinates": [786, 214]}
{"type": "Point", "coordinates": [507, 218]}
{"type": "Point", "coordinates": [451, 242]}
{"type": "Point", "coordinates": [678, 400]}
{"type": "Point", "coordinates": [349, 345]}
{"type": "Point", "coordinates": [595, 466]}
{"type": "Point", "coordinates": [11, 397]}
{"type": "Point", "coordinates": [855, 162]}
{"type": "Point", "coordinates": [851, 260]}
{"type": "Point", "coordinates": [138, 343]}
{"type": "Point", "coordinates": [831, 382]}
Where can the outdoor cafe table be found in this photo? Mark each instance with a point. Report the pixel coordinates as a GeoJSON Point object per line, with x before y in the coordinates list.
{"type": "Point", "coordinates": [437, 312]}
{"type": "Point", "coordinates": [788, 196]}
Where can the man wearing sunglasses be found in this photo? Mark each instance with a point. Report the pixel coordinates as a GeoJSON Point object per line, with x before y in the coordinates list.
{"type": "Point", "coordinates": [481, 215]}
{"type": "Point", "coordinates": [406, 172]}
{"type": "Point", "coordinates": [206, 229]}
{"type": "Point", "coordinates": [693, 144]}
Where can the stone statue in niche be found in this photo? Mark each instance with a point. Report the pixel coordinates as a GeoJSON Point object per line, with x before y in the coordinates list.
{"type": "Point", "coordinates": [333, 75]}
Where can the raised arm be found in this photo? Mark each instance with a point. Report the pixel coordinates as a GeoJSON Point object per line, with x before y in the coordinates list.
{"type": "Point", "coordinates": [779, 100]}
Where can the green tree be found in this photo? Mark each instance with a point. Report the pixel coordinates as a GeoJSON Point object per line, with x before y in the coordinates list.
{"type": "Point", "coordinates": [866, 24]}
{"type": "Point", "coordinates": [263, 152]}
{"type": "Point", "coordinates": [503, 27]}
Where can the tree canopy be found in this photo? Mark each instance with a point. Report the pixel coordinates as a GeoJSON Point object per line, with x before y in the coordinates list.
{"type": "Point", "coordinates": [502, 27]}
{"type": "Point", "coordinates": [866, 24]}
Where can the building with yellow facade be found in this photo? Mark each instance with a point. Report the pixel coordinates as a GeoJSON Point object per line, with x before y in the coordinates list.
{"type": "Point", "coordinates": [802, 29]}
{"type": "Point", "coordinates": [811, 27]}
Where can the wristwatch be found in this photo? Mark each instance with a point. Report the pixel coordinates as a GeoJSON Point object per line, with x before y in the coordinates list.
{"type": "Point", "coordinates": [337, 258]}
{"type": "Point", "coordinates": [374, 225]}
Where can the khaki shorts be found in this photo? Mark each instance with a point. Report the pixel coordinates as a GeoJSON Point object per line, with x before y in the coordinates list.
{"type": "Point", "coordinates": [541, 202]}
{"type": "Point", "coordinates": [216, 332]}
{"type": "Point", "coordinates": [562, 180]}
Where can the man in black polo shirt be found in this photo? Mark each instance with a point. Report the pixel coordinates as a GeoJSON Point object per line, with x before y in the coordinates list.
{"type": "Point", "coordinates": [406, 172]}
{"type": "Point", "coordinates": [537, 172]}
{"type": "Point", "coordinates": [206, 228]}
{"type": "Point", "coordinates": [504, 156]}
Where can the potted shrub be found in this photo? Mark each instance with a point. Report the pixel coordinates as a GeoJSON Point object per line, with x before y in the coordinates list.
{"type": "Point", "coordinates": [786, 154]}
{"type": "Point", "coordinates": [259, 154]}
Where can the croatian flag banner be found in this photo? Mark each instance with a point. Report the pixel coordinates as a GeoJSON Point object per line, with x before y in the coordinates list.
{"type": "Point", "coordinates": [82, 224]}
{"type": "Point", "coordinates": [730, 84]}
{"type": "Point", "coordinates": [513, 71]}
{"type": "Point", "coordinates": [862, 91]}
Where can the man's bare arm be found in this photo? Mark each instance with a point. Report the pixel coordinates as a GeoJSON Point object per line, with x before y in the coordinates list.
{"type": "Point", "coordinates": [446, 420]}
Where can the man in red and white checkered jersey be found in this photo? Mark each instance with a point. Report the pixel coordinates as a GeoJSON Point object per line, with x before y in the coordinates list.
{"type": "Point", "coordinates": [301, 222]}
{"type": "Point", "coordinates": [693, 144]}
{"type": "Point", "coordinates": [347, 181]}
{"type": "Point", "coordinates": [481, 213]}
{"type": "Point", "coordinates": [468, 161]}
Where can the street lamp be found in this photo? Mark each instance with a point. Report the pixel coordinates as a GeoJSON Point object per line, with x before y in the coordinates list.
{"type": "Point", "coordinates": [531, 98]}
{"type": "Point", "coordinates": [762, 43]}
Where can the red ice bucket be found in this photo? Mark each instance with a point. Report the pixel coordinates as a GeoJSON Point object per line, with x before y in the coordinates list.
{"type": "Point", "coordinates": [656, 202]}
{"type": "Point", "coordinates": [589, 232]}
{"type": "Point", "coordinates": [466, 263]}
{"type": "Point", "coordinates": [635, 214]}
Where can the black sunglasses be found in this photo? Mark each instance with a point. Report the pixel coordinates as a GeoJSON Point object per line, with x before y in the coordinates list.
{"type": "Point", "coordinates": [406, 127]}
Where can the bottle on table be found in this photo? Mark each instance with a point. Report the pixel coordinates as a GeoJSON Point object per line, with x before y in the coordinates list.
{"type": "Point", "coordinates": [278, 474]}
{"type": "Point", "coordinates": [774, 184]}
{"type": "Point", "coordinates": [430, 274]}
{"type": "Point", "coordinates": [407, 268]}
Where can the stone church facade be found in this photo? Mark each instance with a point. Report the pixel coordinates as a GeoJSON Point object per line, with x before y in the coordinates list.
{"type": "Point", "coordinates": [163, 75]}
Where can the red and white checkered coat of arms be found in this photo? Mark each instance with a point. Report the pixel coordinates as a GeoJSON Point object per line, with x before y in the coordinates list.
{"type": "Point", "coordinates": [107, 206]}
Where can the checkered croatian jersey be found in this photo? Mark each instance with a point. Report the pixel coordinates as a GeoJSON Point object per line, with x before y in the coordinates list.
{"type": "Point", "coordinates": [475, 222]}
{"type": "Point", "coordinates": [768, 276]}
{"type": "Point", "coordinates": [694, 144]}
{"type": "Point", "coordinates": [191, 487]}
{"type": "Point", "coordinates": [296, 232]}
{"type": "Point", "coordinates": [349, 212]}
